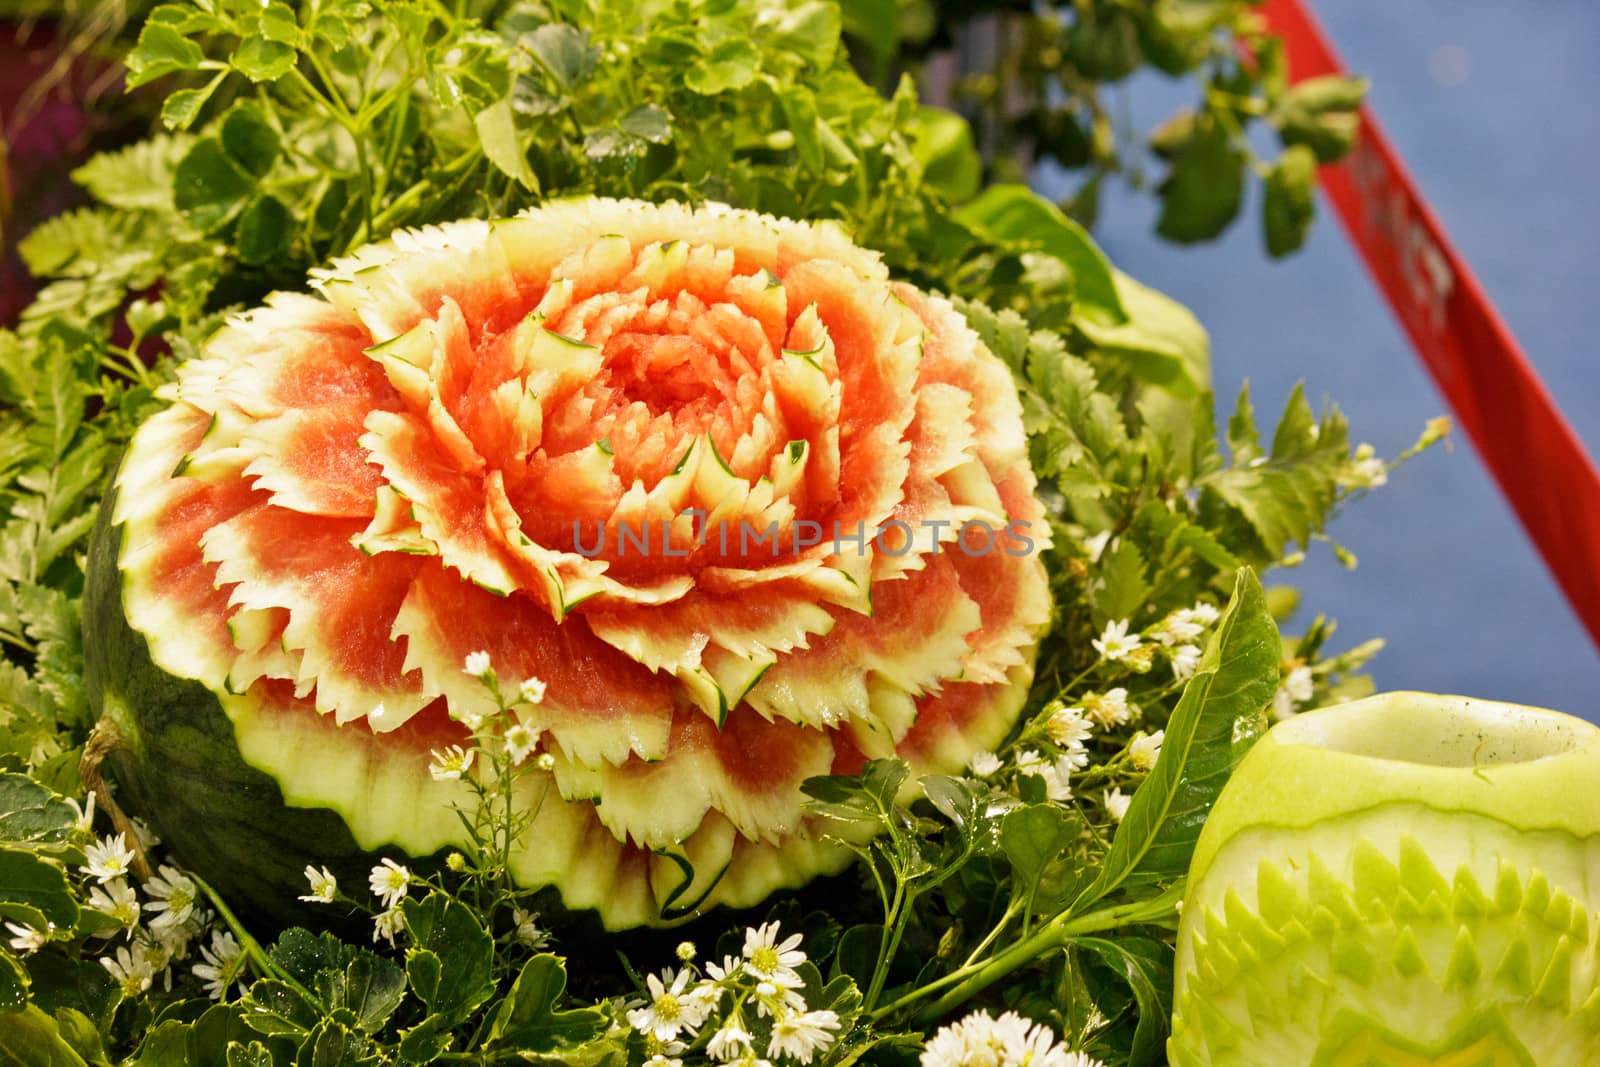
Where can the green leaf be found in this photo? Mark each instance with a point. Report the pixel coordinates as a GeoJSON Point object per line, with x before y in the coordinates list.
{"type": "Point", "coordinates": [942, 143]}
{"type": "Point", "coordinates": [809, 29]}
{"type": "Point", "coordinates": [1016, 215]}
{"type": "Point", "coordinates": [1287, 205]}
{"type": "Point", "coordinates": [263, 60]}
{"type": "Point", "coordinates": [31, 1038]}
{"type": "Point", "coordinates": [249, 137]}
{"type": "Point", "coordinates": [1123, 586]}
{"type": "Point", "coordinates": [1031, 837]}
{"type": "Point", "coordinates": [255, 1054]}
{"type": "Point", "coordinates": [81, 1034]}
{"type": "Point", "coordinates": [13, 983]}
{"type": "Point", "coordinates": [161, 50]}
{"type": "Point", "coordinates": [370, 986]}
{"type": "Point", "coordinates": [31, 813]}
{"type": "Point", "coordinates": [731, 64]}
{"type": "Point", "coordinates": [266, 228]}
{"type": "Point", "coordinates": [649, 123]}
{"type": "Point", "coordinates": [137, 178]}
{"type": "Point", "coordinates": [564, 51]}
{"type": "Point", "coordinates": [497, 131]}
{"type": "Point", "coordinates": [273, 1008]}
{"type": "Point", "coordinates": [1287, 496]}
{"type": "Point", "coordinates": [332, 1044]}
{"type": "Point", "coordinates": [60, 983]}
{"type": "Point", "coordinates": [528, 1017]}
{"type": "Point", "coordinates": [1161, 342]}
{"type": "Point", "coordinates": [180, 110]}
{"type": "Point", "coordinates": [32, 881]}
{"type": "Point", "coordinates": [1217, 719]}
{"type": "Point", "coordinates": [450, 969]}
{"type": "Point", "coordinates": [425, 1042]}
{"type": "Point", "coordinates": [210, 187]}
{"type": "Point", "coordinates": [1203, 191]}
{"type": "Point", "coordinates": [1146, 965]}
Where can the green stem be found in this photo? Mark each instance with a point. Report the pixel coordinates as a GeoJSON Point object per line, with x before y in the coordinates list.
{"type": "Point", "coordinates": [251, 947]}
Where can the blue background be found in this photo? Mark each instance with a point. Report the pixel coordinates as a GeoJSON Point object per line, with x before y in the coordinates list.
{"type": "Point", "coordinates": [1494, 108]}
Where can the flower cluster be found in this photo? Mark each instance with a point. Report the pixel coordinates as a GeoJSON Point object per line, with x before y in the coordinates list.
{"type": "Point", "coordinates": [748, 1009]}
{"type": "Point", "coordinates": [981, 1040]}
{"type": "Point", "coordinates": [1176, 636]}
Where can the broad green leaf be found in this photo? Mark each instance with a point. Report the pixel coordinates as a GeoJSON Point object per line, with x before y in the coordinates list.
{"type": "Point", "coordinates": [1203, 191]}
{"type": "Point", "coordinates": [29, 880]}
{"type": "Point", "coordinates": [1123, 586]}
{"type": "Point", "coordinates": [81, 1034]}
{"type": "Point", "coordinates": [263, 60]}
{"type": "Point", "coordinates": [31, 813]}
{"type": "Point", "coordinates": [1287, 204]}
{"type": "Point", "coordinates": [876, 25]}
{"type": "Point", "coordinates": [370, 987]}
{"type": "Point", "coordinates": [1217, 719]}
{"type": "Point", "coordinates": [30, 1038]}
{"type": "Point", "coordinates": [942, 142]}
{"type": "Point", "coordinates": [161, 50]}
{"type": "Point", "coordinates": [649, 123]}
{"type": "Point", "coordinates": [273, 1008]}
{"type": "Point", "coordinates": [1146, 965]}
{"type": "Point", "coordinates": [1161, 341]}
{"type": "Point", "coordinates": [1016, 215]}
{"type": "Point", "coordinates": [1031, 837]}
{"type": "Point", "coordinates": [528, 1016]}
{"type": "Point", "coordinates": [210, 187]}
{"type": "Point", "coordinates": [564, 51]}
{"type": "Point", "coordinates": [60, 982]}
{"type": "Point", "coordinates": [249, 137]}
{"type": "Point", "coordinates": [266, 227]}
{"type": "Point", "coordinates": [13, 983]}
{"type": "Point", "coordinates": [425, 1042]}
{"type": "Point", "coordinates": [180, 110]}
{"type": "Point", "coordinates": [809, 29]}
{"type": "Point", "coordinates": [731, 64]}
{"type": "Point", "coordinates": [304, 955]}
{"type": "Point", "coordinates": [332, 1044]}
{"type": "Point", "coordinates": [165, 1045]}
{"type": "Point", "coordinates": [255, 1054]}
{"type": "Point", "coordinates": [497, 131]}
{"type": "Point", "coordinates": [450, 967]}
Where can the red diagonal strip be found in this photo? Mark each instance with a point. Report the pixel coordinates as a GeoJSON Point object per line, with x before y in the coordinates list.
{"type": "Point", "coordinates": [1498, 398]}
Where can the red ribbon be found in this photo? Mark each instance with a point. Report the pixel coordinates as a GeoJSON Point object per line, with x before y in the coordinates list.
{"type": "Point", "coordinates": [1506, 410]}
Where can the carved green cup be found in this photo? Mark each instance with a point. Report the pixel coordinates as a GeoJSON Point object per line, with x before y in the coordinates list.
{"type": "Point", "coordinates": [1401, 881]}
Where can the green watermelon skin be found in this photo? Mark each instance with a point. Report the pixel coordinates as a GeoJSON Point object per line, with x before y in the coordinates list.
{"type": "Point", "coordinates": [176, 764]}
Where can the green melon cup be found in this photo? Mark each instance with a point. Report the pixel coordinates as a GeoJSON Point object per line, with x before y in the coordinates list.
{"type": "Point", "coordinates": [1401, 881]}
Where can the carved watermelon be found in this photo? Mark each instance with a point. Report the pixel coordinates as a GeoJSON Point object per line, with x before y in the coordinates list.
{"type": "Point", "coordinates": [608, 443]}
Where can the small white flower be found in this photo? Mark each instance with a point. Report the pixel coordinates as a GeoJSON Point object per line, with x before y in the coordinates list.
{"type": "Point", "coordinates": [324, 886]}
{"type": "Point", "coordinates": [26, 939]}
{"type": "Point", "coordinates": [173, 895]}
{"type": "Point", "coordinates": [1367, 470]}
{"type": "Point", "coordinates": [388, 923]}
{"type": "Point", "coordinates": [1177, 629]}
{"type": "Point", "coordinates": [477, 664]}
{"type": "Point", "coordinates": [528, 931]}
{"type": "Point", "coordinates": [531, 691]}
{"type": "Point", "coordinates": [520, 741]}
{"type": "Point", "coordinates": [1108, 709]}
{"type": "Point", "coordinates": [221, 964]}
{"type": "Point", "coordinates": [389, 882]}
{"type": "Point", "coordinates": [1185, 661]}
{"type": "Point", "coordinates": [1058, 780]}
{"type": "Point", "coordinates": [1115, 643]}
{"type": "Point", "coordinates": [132, 968]}
{"type": "Point", "coordinates": [545, 761]}
{"type": "Point", "coordinates": [732, 1041]}
{"type": "Point", "coordinates": [84, 816]}
{"type": "Point", "coordinates": [1068, 727]}
{"type": "Point", "coordinates": [668, 1009]}
{"type": "Point", "coordinates": [1299, 684]}
{"type": "Point", "coordinates": [983, 764]}
{"type": "Point", "coordinates": [1117, 803]}
{"type": "Point", "coordinates": [468, 717]}
{"type": "Point", "coordinates": [108, 859]}
{"type": "Point", "coordinates": [663, 1053]}
{"type": "Point", "coordinates": [1096, 546]}
{"type": "Point", "coordinates": [1146, 749]}
{"type": "Point", "coordinates": [118, 900]}
{"type": "Point", "coordinates": [728, 969]}
{"type": "Point", "coordinates": [1282, 705]}
{"type": "Point", "coordinates": [772, 961]}
{"type": "Point", "coordinates": [774, 1001]}
{"type": "Point", "coordinates": [1203, 613]}
{"type": "Point", "coordinates": [802, 1034]}
{"type": "Point", "coordinates": [450, 763]}
{"type": "Point", "coordinates": [685, 951]}
{"type": "Point", "coordinates": [147, 837]}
